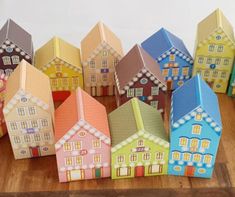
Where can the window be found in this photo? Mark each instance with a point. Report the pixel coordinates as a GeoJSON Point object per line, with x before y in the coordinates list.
{"type": "Point", "coordinates": [185, 71]}
{"type": "Point", "coordinates": [144, 81]}
{"type": "Point", "coordinates": [13, 126]}
{"type": "Point", "coordinates": [115, 61]}
{"type": "Point", "coordinates": [138, 91]}
{"type": "Point", "coordinates": [197, 157]}
{"type": "Point", "coordinates": [105, 53]}
{"type": "Point", "coordinates": [206, 73]}
{"type": "Point", "coordinates": [223, 74]}
{"type": "Point", "coordinates": [133, 157]}
{"type": "Point", "coordinates": [154, 104]}
{"type": "Point", "coordinates": [120, 159]}
{"type": "Point", "coordinates": [209, 60]}
{"type": "Point", "coordinates": [97, 158]}
{"type": "Point", "coordinates": [205, 143]}
{"type": "Point", "coordinates": [44, 122]}
{"type": "Point", "coordinates": [186, 156]}
{"type": "Point", "coordinates": [124, 171]}
{"type": "Point", "coordinates": [207, 159]}
{"type": "Point", "coordinates": [220, 48]}
{"type": "Point", "coordinates": [198, 117]}
{"type": "Point", "coordinates": [154, 90]}
{"type": "Point", "coordinates": [15, 59]}
{"type": "Point", "coordinates": [200, 60]}
{"type": "Point", "coordinates": [175, 71]}
{"type": "Point", "coordinates": [75, 81]}
{"type": "Point", "coordinates": [65, 82]}
{"type": "Point", "coordinates": [77, 145]}
{"type": "Point", "coordinates": [16, 139]}
{"type": "Point", "coordinates": [21, 111]}
{"type": "Point", "coordinates": [215, 73]}
{"type": "Point", "coordinates": [93, 78]}
{"type": "Point", "coordinates": [32, 110]}
{"type": "Point", "coordinates": [140, 143]}
{"type": "Point", "coordinates": [131, 92]}
{"type": "Point", "coordinates": [211, 47]}
{"type": "Point", "coordinates": [175, 155]}
{"type": "Point", "coordinates": [226, 61]}
{"type": "Point", "coordinates": [34, 123]}
{"type": "Point", "coordinates": [47, 136]}
{"type": "Point", "coordinates": [194, 143]}
{"type": "Point", "coordinates": [6, 60]}
{"type": "Point", "coordinates": [165, 72]}
{"type": "Point", "coordinates": [159, 155]}
{"type": "Point", "coordinates": [24, 125]}
{"type": "Point", "coordinates": [92, 64]}
{"type": "Point", "coordinates": [27, 138]}
{"type": "Point", "coordinates": [79, 160]}
{"type": "Point", "coordinates": [146, 156]}
{"type": "Point", "coordinates": [183, 141]}
{"type": "Point", "coordinates": [67, 146]}
{"type": "Point", "coordinates": [8, 72]}
{"type": "Point", "coordinates": [96, 143]}
{"type": "Point", "coordinates": [217, 61]}
{"type": "Point", "coordinates": [218, 37]}
{"type": "Point", "coordinates": [172, 57]}
{"type": "Point", "coordinates": [37, 137]}
{"type": "Point", "coordinates": [58, 68]}
{"type": "Point", "coordinates": [82, 134]}
{"type": "Point", "coordinates": [68, 161]}
{"type": "Point", "coordinates": [196, 129]}
{"type": "Point", "coordinates": [104, 77]}
{"type": "Point", "coordinates": [54, 82]}
{"type": "Point", "coordinates": [104, 63]}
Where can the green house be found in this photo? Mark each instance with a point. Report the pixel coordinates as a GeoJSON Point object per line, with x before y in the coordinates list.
{"type": "Point", "coordinates": [231, 88]}
{"type": "Point", "coordinates": [140, 145]}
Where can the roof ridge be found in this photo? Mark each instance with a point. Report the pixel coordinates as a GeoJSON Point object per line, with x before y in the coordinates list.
{"type": "Point", "coordinates": [56, 46]}
{"type": "Point", "coordinates": [23, 76]}
{"type": "Point", "coordinates": [199, 90]}
{"type": "Point", "coordinates": [165, 34]}
{"type": "Point", "coordinates": [80, 103]}
{"type": "Point", "coordinates": [8, 23]}
{"type": "Point", "coordinates": [101, 30]}
{"type": "Point", "coordinates": [218, 18]}
{"type": "Point", "coordinates": [137, 114]}
{"type": "Point", "coordinates": [141, 56]}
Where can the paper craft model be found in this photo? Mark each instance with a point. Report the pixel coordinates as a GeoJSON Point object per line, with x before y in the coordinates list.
{"type": "Point", "coordinates": [3, 80]}
{"type": "Point", "coordinates": [61, 62]}
{"type": "Point", "coordinates": [214, 51]}
{"type": "Point", "coordinates": [82, 138]}
{"type": "Point", "coordinates": [138, 75]}
{"type": "Point", "coordinates": [15, 44]}
{"type": "Point", "coordinates": [101, 51]}
{"type": "Point", "coordinates": [29, 112]}
{"type": "Point", "coordinates": [139, 143]}
{"type": "Point", "coordinates": [172, 55]}
{"type": "Point", "coordinates": [195, 130]}
{"type": "Point", "coordinates": [231, 89]}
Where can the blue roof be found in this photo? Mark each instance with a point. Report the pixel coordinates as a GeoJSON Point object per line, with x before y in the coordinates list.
{"type": "Point", "coordinates": [162, 41]}
{"type": "Point", "coordinates": [194, 93]}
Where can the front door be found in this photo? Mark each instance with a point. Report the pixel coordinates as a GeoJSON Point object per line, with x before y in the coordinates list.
{"type": "Point", "coordinates": [139, 171]}
{"type": "Point", "coordinates": [169, 84]}
{"type": "Point", "coordinates": [189, 171]}
{"type": "Point", "coordinates": [74, 175]}
{"type": "Point", "coordinates": [35, 151]}
{"type": "Point", "coordinates": [93, 91]}
{"type": "Point", "coordinates": [233, 91]}
{"type": "Point", "coordinates": [98, 172]}
{"type": "Point", "coordinates": [105, 90]}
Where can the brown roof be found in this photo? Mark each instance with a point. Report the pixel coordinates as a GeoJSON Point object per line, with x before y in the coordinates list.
{"type": "Point", "coordinates": [13, 32]}
{"type": "Point", "coordinates": [133, 62]}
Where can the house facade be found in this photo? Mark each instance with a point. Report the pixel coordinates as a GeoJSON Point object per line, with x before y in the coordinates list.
{"type": "Point", "coordinates": [15, 45]}
{"type": "Point", "coordinates": [195, 135]}
{"type": "Point", "coordinates": [101, 51]}
{"type": "Point", "coordinates": [3, 81]}
{"type": "Point", "coordinates": [172, 56]}
{"type": "Point", "coordinates": [231, 89]}
{"type": "Point", "coordinates": [214, 51]}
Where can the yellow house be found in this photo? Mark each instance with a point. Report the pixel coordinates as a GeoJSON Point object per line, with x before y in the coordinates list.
{"type": "Point", "coordinates": [61, 62]}
{"type": "Point", "coordinates": [214, 51]}
{"type": "Point", "coordinates": [101, 51]}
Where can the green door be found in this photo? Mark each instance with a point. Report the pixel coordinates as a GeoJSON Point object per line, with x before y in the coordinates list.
{"type": "Point", "coordinates": [98, 173]}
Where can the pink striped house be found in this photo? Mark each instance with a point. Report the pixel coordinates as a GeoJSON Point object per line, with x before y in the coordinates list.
{"type": "Point", "coordinates": [82, 138]}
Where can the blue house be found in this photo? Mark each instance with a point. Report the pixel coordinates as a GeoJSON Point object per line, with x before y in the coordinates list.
{"type": "Point", "coordinates": [195, 129]}
{"type": "Point", "coordinates": [170, 52]}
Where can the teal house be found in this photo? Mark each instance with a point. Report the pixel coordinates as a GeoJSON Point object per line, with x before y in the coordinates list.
{"type": "Point", "coordinates": [231, 88]}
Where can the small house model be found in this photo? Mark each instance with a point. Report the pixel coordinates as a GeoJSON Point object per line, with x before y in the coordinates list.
{"type": "Point", "coordinates": [231, 89]}
{"type": "Point", "coordinates": [101, 51]}
{"type": "Point", "coordinates": [82, 138]}
{"type": "Point", "coordinates": [138, 75]}
{"type": "Point", "coordinates": [29, 112]}
{"type": "Point", "coordinates": [195, 130]}
{"type": "Point", "coordinates": [61, 62]}
{"type": "Point", "coordinates": [3, 80]}
{"type": "Point", "coordinates": [214, 51]}
{"type": "Point", "coordinates": [15, 44]}
{"type": "Point", "coordinates": [172, 55]}
{"type": "Point", "coordinates": [139, 143]}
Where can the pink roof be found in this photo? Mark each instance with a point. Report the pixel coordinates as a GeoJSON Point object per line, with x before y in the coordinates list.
{"type": "Point", "coordinates": [80, 105]}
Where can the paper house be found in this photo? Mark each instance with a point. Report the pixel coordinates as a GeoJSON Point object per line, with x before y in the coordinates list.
{"type": "Point", "coordinates": [3, 80]}
{"type": "Point", "coordinates": [172, 55]}
{"type": "Point", "coordinates": [231, 89]}
{"type": "Point", "coordinates": [15, 44]}
{"type": "Point", "coordinates": [139, 143]}
{"type": "Point", "coordinates": [101, 51]}
{"type": "Point", "coordinates": [138, 75]}
{"type": "Point", "coordinates": [29, 112]}
{"type": "Point", "coordinates": [195, 130]}
{"type": "Point", "coordinates": [61, 62]}
{"type": "Point", "coordinates": [82, 138]}
{"type": "Point", "coordinates": [214, 51]}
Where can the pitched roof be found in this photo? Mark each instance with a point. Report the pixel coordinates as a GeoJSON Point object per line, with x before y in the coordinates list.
{"type": "Point", "coordinates": [99, 34]}
{"type": "Point", "coordinates": [134, 62]}
{"type": "Point", "coordinates": [198, 95]}
{"type": "Point", "coordinates": [28, 80]}
{"type": "Point", "coordinates": [57, 48]}
{"type": "Point", "coordinates": [212, 23]}
{"type": "Point", "coordinates": [81, 107]}
{"type": "Point", "coordinates": [16, 34]}
{"type": "Point", "coordinates": [161, 42]}
{"type": "Point", "coordinates": [132, 117]}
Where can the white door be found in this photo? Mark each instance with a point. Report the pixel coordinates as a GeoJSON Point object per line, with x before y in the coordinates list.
{"type": "Point", "coordinates": [76, 175]}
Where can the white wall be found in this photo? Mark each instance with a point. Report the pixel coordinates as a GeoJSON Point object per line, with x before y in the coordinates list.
{"type": "Point", "coordinates": [131, 20]}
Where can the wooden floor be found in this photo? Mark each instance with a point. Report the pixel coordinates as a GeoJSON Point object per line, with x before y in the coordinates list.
{"type": "Point", "coordinates": [40, 174]}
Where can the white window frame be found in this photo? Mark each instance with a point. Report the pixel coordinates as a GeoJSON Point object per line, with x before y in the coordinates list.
{"type": "Point", "coordinates": [15, 59]}
{"type": "Point", "coordinates": [130, 92]}
{"type": "Point", "coordinates": [139, 91]}
{"type": "Point", "coordinates": [154, 90]}
{"type": "Point", "coordinates": [6, 60]}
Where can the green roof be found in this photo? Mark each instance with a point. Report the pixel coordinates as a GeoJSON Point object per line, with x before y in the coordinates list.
{"type": "Point", "coordinates": [132, 117]}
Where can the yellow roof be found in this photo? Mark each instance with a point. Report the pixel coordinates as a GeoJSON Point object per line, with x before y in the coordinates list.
{"type": "Point", "coordinates": [57, 48]}
{"type": "Point", "coordinates": [212, 23]}
{"type": "Point", "coordinates": [100, 33]}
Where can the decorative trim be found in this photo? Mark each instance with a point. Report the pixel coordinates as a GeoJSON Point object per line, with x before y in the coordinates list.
{"type": "Point", "coordinates": [177, 77]}
{"type": "Point", "coordinates": [84, 167]}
